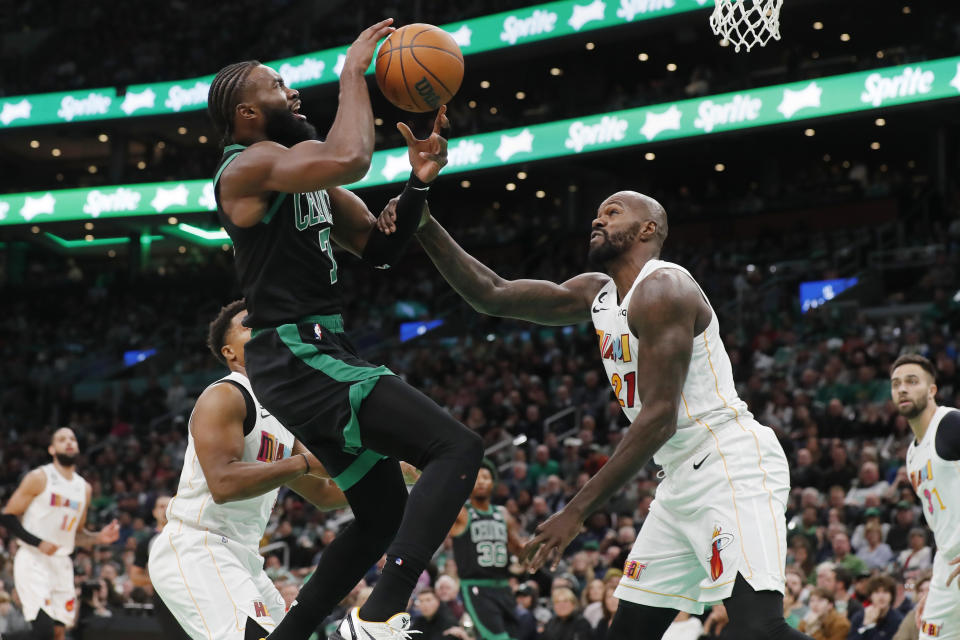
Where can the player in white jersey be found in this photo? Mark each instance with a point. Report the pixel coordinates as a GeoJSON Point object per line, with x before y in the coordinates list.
{"type": "Point", "coordinates": [206, 564]}
{"type": "Point", "coordinates": [53, 501]}
{"type": "Point", "coordinates": [933, 465]}
{"type": "Point", "coordinates": [716, 530]}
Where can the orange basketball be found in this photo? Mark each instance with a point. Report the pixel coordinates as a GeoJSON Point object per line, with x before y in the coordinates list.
{"type": "Point", "coordinates": [419, 67]}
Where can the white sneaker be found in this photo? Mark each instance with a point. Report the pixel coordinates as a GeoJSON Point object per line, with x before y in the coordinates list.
{"type": "Point", "coordinates": [352, 627]}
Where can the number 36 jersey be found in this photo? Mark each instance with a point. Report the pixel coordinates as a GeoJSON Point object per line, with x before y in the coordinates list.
{"type": "Point", "coordinates": [55, 513]}
{"type": "Point", "coordinates": [937, 483]}
{"type": "Point", "coordinates": [481, 550]}
{"type": "Point", "coordinates": [709, 397]}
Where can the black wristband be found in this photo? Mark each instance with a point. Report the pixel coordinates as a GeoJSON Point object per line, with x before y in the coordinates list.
{"type": "Point", "coordinates": [417, 183]}
{"type": "Point", "coordinates": [12, 524]}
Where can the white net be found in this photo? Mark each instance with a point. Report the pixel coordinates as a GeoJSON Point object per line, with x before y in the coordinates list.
{"type": "Point", "coordinates": [746, 23]}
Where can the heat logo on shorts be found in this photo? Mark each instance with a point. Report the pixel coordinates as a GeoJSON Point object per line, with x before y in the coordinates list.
{"type": "Point", "coordinates": [931, 629]}
{"type": "Point", "coordinates": [632, 569]}
{"type": "Point", "coordinates": [260, 609]}
{"type": "Point", "coordinates": [718, 543]}
{"type": "Point", "coordinates": [70, 605]}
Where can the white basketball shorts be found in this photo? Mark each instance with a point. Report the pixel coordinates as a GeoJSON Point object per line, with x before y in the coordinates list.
{"type": "Point", "coordinates": [212, 584]}
{"type": "Point", "coordinates": [717, 513]}
{"type": "Point", "coordinates": [45, 582]}
{"type": "Point", "coordinates": [941, 614]}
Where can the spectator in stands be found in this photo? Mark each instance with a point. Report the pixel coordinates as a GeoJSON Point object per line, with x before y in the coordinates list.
{"type": "Point", "coordinates": [823, 621]}
{"type": "Point", "coordinates": [433, 620]}
{"type": "Point", "coordinates": [840, 472]}
{"type": "Point", "coordinates": [902, 527]}
{"type": "Point", "coordinates": [837, 581]}
{"type": "Point", "coordinates": [526, 622]}
{"type": "Point", "coordinates": [876, 554]}
{"type": "Point", "coordinates": [542, 466]}
{"type": "Point", "coordinates": [878, 620]}
{"type": "Point", "coordinates": [448, 591]}
{"type": "Point", "coordinates": [11, 619]}
{"type": "Point", "coordinates": [918, 556]}
{"type": "Point", "coordinates": [909, 627]}
{"type": "Point", "coordinates": [871, 517]}
{"type": "Point", "coordinates": [842, 555]}
{"type": "Point", "coordinates": [567, 623]}
{"type": "Point", "coordinates": [869, 484]}
{"type": "Point", "coordinates": [591, 599]}
{"type": "Point", "coordinates": [684, 627]}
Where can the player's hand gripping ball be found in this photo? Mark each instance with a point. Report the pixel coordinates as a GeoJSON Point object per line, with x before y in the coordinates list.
{"type": "Point", "coordinates": [419, 67]}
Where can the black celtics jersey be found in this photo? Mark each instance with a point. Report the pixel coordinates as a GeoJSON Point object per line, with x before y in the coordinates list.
{"type": "Point", "coordinates": [481, 550]}
{"type": "Point", "coordinates": [285, 262]}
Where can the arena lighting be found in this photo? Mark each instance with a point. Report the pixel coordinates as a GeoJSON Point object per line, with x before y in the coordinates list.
{"type": "Point", "coordinates": [203, 233]}
{"type": "Point", "coordinates": [671, 67]}
{"type": "Point", "coordinates": [182, 131]}
{"type": "Point", "coordinates": [500, 31]}
{"type": "Point", "coordinates": [171, 220]}
{"type": "Point", "coordinates": [465, 184]}
{"type": "Point", "coordinates": [484, 84]}
{"type": "Point", "coordinates": [34, 144]}
{"type": "Point", "coordinates": [378, 121]}
{"type": "Point", "coordinates": [103, 137]}
{"type": "Point", "coordinates": [649, 155]}
{"type": "Point", "coordinates": [541, 194]}
{"type": "Point", "coordinates": [520, 95]}
{"type": "Point", "coordinates": [809, 132]}
{"type": "Point", "coordinates": [511, 186]}
{"type": "Point", "coordinates": [521, 175]}
{"type": "Point", "coordinates": [874, 90]}
{"type": "Point", "coordinates": [92, 242]}
{"type": "Point", "coordinates": [643, 57]}
{"type": "Point", "coordinates": [88, 226]}
{"type": "Point", "coordinates": [845, 37]}
{"type": "Point", "coordinates": [556, 71]}
{"type": "Point", "coordinates": [880, 122]}
{"type": "Point", "coordinates": [817, 26]}
{"type": "Point", "coordinates": [591, 46]}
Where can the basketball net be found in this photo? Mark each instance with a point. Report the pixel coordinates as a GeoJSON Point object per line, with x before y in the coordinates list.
{"type": "Point", "coordinates": [746, 23]}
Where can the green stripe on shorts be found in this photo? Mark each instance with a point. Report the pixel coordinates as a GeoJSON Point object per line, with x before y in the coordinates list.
{"type": "Point", "coordinates": [357, 469]}
{"type": "Point", "coordinates": [364, 379]}
{"type": "Point", "coordinates": [482, 631]}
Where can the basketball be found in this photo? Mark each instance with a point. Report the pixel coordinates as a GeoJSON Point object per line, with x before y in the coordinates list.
{"type": "Point", "coordinates": [419, 67]}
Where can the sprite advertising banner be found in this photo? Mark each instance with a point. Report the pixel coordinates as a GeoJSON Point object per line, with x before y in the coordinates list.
{"type": "Point", "coordinates": [781, 104]}
{"type": "Point", "coordinates": [531, 24]}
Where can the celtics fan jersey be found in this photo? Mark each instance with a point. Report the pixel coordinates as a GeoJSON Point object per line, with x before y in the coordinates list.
{"type": "Point", "coordinates": [55, 513]}
{"type": "Point", "coordinates": [243, 521]}
{"type": "Point", "coordinates": [937, 483]}
{"type": "Point", "coordinates": [709, 397]}
{"type": "Point", "coordinates": [285, 262]}
{"type": "Point", "coordinates": [481, 550]}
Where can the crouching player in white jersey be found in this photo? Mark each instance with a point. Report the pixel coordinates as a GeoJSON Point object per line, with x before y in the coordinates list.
{"type": "Point", "coordinates": [933, 464]}
{"type": "Point", "coordinates": [53, 501]}
{"type": "Point", "coordinates": [206, 564]}
{"type": "Point", "coordinates": [716, 529]}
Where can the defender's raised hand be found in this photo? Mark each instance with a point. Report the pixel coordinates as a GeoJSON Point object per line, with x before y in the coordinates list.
{"type": "Point", "coordinates": [427, 157]}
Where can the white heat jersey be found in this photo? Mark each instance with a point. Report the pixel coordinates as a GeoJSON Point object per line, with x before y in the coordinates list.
{"type": "Point", "coordinates": [243, 521]}
{"type": "Point", "coordinates": [937, 483]}
{"type": "Point", "coordinates": [55, 513]}
{"type": "Point", "coordinates": [709, 397]}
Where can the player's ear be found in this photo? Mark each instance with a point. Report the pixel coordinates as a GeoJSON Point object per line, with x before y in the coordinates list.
{"type": "Point", "coordinates": [247, 111]}
{"type": "Point", "coordinates": [227, 352]}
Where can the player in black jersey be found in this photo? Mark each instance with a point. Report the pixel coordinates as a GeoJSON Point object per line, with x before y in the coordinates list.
{"type": "Point", "coordinates": [484, 536]}
{"type": "Point", "coordinates": [279, 197]}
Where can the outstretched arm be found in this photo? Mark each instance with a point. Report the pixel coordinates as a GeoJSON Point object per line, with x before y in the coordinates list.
{"type": "Point", "coordinates": [662, 313]}
{"type": "Point", "coordinates": [537, 301]}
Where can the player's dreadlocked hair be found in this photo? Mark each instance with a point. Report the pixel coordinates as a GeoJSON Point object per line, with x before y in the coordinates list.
{"type": "Point", "coordinates": [224, 97]}
{"type": "Point", "coordinates": [217, 335]}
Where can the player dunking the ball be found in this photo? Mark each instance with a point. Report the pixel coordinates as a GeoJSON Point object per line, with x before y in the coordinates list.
{"type": "Point", "coordinates": [932, 464]}
{"type": "Point", "coordinates": [279, 197]}
{"type": "Point", "coordinates": [53, 501]}
{"type": "Point", "coordinates": [716, 530]}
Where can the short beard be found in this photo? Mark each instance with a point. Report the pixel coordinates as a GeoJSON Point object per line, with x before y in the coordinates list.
{"type": "Point", "coordinates": [65, 460]}
{"type": "Point", "coordinates": [285, 128]}
{"type": "Point", "coordinates": [915, 409]}
{"type": "Point", "coordinates": [613, 247]}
